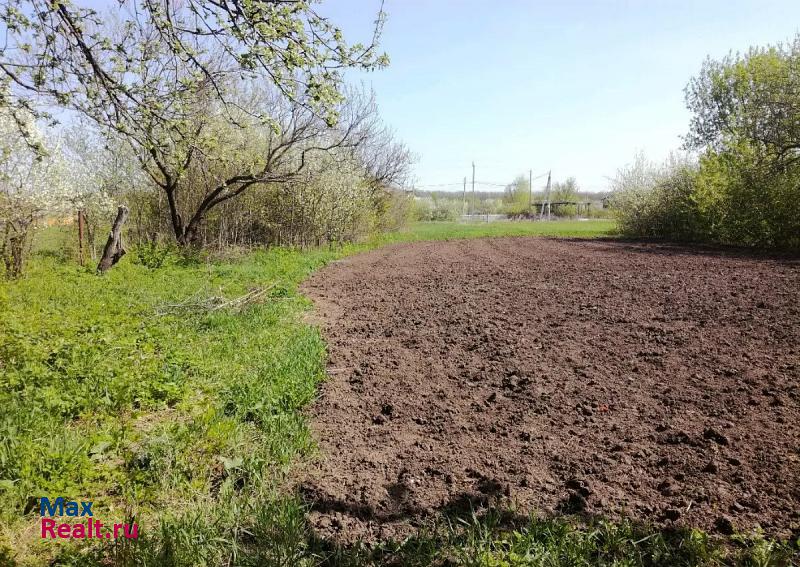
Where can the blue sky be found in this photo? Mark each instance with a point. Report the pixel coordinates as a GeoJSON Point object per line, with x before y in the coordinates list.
{"type": "Point", "coordinates": [573, 86]}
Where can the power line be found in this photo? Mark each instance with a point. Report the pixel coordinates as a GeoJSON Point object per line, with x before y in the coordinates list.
{"type": "Point", "coordinates": [484, 183]}
{"type": "Point", "coordinates": [438, 185]}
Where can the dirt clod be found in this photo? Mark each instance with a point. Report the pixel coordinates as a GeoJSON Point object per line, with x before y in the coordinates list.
{"type": "Point", "coordinates": [579, 486]}
{"type": "Point", "coordinates": [724, 525]}
{"type": "Point", "coordinates": [715, 436]}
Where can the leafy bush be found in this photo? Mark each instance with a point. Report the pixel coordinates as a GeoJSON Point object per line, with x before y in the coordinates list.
{"type": "Point", "coordinates": [655, 201]}
{"type": "Point", "coordinates": [152, 255]}
{"type": "Point", "coordinates": [565, 210]}
{"type": "Point", "coordinates": [437, 209]}
{"type": "Point", "coordinates": [728, 197]}
{"type": "Point", "coordinates": [517, 197]}
{"type": "Point", "coordinates": [746, 201]}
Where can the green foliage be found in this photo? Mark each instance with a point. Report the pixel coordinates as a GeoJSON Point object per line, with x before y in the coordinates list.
{"type": "Point", "coordinates": [335, 204]}
{"type": "Point", "coordinates": [727, 197]}
{"type": "Point", "coordinates": [129, 390]}
{"type": "Point", "coordinates": [745, 119]}
{"type": "Point", "coordinates": [752, 98]}
{"type": "Point", "coordinates": [152, 254]}
{"type": "Point", "coordinates": [745, 200]}
{"type": "Point", "coordinates": [659, 201]}
{"type": "Point", "coordinates": [564, 190]}
{"type": "Point", "coordinates": [517, 196]}
{"type": "Point", "coordinates": [437, 208]}
{"type": "Point", "coordinates": [745, 189]}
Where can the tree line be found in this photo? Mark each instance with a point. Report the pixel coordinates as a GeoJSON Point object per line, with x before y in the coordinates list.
{"type": "Point", "coordinates": [515, 201]}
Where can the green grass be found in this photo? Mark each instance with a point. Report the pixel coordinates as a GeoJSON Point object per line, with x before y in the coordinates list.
{"type": "Point", "coordinates": [450, 230]}
{"type": "Point", "coordinates": [132, 390]}
{"type": "Point", "coordinates": [164, 413]}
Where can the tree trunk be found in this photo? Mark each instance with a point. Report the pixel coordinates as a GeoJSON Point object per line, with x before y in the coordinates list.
{"type": "Point", "coordinates": [13, 250]}
{"type": "Point", "coordinates": [114, 250]}
{"type": "Point", "coordinates": [14, 256]}
{"type": "Point", "coordinates": [192, 234]}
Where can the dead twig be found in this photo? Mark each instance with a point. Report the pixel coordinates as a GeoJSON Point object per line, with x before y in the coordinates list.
{"type": "Point", "coordinates": [198, 304]}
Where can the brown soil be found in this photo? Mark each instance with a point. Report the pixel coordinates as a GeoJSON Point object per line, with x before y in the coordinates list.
{"type": "Point", "coordinates": [601, 377]}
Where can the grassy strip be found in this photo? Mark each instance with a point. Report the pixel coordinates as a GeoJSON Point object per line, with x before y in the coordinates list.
{"type": "Point", "coordinates": [492, 540]}
{"type": "Point", "coordinates": [451, 230]}
{"type": "Point", "coordinates": [143, 392]}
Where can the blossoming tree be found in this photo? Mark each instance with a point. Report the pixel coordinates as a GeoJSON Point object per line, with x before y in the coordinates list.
{"type": "Point", "coordinates": [37, 181]}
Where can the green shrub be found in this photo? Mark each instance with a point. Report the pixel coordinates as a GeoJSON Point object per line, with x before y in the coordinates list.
{"type": "Point", "coordinates": [565, 210]}
{"type": "Point", "coordinates": [746, 201]}
{"type": "Point", "coordinates": [745, 122]}
{"type": "Point", "coordinates": [152, 254]}
{"type": "Point", "coordinates": [728, 197]}
{"type": "Point", "coordinates": [659, 201]}
{"type": "Point", "coordinates": [437, 209]}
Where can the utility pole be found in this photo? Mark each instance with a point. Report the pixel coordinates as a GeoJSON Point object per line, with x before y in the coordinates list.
{"type": "Point", "coordinates": [464, 198]}
{"type": "Point", "coordinates": [530, 190]}
{"type": "Point", "coordinates": [473, 188]}
{"type": "Point", "coordinates": [546, 198]}
{"type": "Point", "coordinates": [548, 195]}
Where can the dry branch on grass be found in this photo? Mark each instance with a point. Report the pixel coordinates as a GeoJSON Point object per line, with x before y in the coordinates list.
{"type": "Point", "coordinates": [195, 303]}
